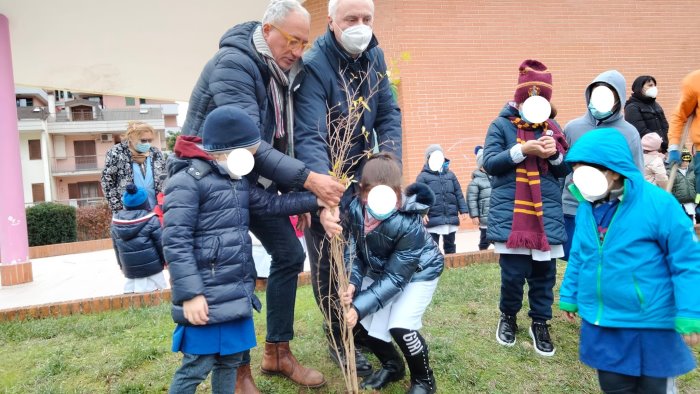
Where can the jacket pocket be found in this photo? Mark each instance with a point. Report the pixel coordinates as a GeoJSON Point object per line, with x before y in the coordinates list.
{"type": "Point", "coordinates": [638, 292]}
{"type": "Point", "coordinates": [206, 251]}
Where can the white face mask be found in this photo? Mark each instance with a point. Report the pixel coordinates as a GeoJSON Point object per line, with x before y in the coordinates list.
{"type": "Point", "coordinates": [355, 39]}
{"type": "Point", "coordinates": [591, 182]}
{"type": "Point", "coordinates": [238, 163]}
{"type": "Point", "coordinates": [652, 92]}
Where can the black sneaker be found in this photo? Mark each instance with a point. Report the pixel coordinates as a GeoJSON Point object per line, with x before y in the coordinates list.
{"type": "Point", "coordinates": [362, 365]}
{"type": "Point", "coordinates": [505, 333]}
{"type": "Point", "coordinates": [539, 332]}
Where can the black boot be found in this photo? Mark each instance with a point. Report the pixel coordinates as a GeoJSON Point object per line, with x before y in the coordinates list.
{"type": "Point", "coordinates": [415, 350]}
{"type": "Point", "coordinates": [392, 365]}
{"type": "Point", "coordinates": [362, 365]}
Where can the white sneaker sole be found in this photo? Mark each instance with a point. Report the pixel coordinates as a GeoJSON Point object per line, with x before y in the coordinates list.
{"type": "Point", "coordinates": [500, 342]}
{"type": "Point", "coordinates": [540, 352]}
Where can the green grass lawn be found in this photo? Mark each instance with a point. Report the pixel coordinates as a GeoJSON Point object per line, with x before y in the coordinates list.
{"type": "Point", "coordinates": [129, 351]}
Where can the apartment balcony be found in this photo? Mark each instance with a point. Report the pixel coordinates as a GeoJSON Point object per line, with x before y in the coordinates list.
{"type": "Point", "coordinates": [77, 165]}
{"type": "Point", "coordinates": [103, 120]}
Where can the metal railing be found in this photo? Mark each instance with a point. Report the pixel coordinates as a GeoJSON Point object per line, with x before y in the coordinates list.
{"type": "Point", "coordinates": [107, 115]}
{"type": "Point", "coordinates": [73, 202]}
{"type": "Point", "coordinates": [77, 163]}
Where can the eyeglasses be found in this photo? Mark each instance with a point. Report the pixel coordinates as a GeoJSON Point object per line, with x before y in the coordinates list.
{"type": "Point", "coordinates": [293, 43]}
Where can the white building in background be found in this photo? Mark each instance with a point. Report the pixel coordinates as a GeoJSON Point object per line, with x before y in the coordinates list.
{"type": "Point", "coordinates": [64, 137]}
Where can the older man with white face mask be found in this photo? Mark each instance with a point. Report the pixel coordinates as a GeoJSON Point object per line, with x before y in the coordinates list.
{"type": "Point", "coordinates": [346, 56]}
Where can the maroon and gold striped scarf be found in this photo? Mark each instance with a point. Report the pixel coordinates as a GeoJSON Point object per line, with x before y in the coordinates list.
{"type": "Point", "coordinates": [528, 225]}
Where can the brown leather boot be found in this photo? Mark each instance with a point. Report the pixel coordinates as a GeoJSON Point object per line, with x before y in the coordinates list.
{"type": "Point", "coordinates": [279, 360]}
{"type": "Point", "coordinates": [244, 381]}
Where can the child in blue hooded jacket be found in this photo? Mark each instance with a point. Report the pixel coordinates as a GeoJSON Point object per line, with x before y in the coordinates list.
{"type": "Point", "coordinates": [633, 272]}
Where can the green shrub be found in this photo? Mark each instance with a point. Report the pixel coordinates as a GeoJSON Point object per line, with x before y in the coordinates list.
{"type": "Point", "coordinates": [50, 223]}
{"type": "Point", "coordinates": [93, 221]}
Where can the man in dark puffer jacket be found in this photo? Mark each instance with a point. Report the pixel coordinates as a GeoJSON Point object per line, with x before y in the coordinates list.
{"type": "Point", "coordinates": [336, 60]}
{"type": "Point", "coordinates": [256, 69]}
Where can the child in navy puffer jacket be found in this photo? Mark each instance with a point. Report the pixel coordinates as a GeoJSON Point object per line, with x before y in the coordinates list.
{"type": "Point", "coordinates": [136, 233]}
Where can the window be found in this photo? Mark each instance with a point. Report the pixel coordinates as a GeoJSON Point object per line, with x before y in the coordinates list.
{"type": "Point", "coordinates": [38, 192]}
{"type": "Point", "coordinates": [85, 192]}
{"type": "Point", "coordinates": [25, 102]}
{"type": "Point", "coordinates": [85, 155]}
{"type": "Point", "coordinates": [142, 101]}
{"type": "Point", "coordinates": [34, 149]}
{"type": "Point", "coordinates": [82, 112]}
{"type": "Point", "coordinates": [130, 101]}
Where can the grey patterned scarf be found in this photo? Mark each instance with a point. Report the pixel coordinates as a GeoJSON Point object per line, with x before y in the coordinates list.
{"type": "Point", "coordinates": [278, 89]}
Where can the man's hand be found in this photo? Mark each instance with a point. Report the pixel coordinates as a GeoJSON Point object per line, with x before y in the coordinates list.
{"type": "Point", "coordinates": [196, 310]}
{"type": "Point", "coordinates": [463, 216]}
{"type": "Point", "coordinates": [324, 187]}
{"type": "Point", "coordinates": [570, 316]}
{"type": "Point", "coordinates": [330, 217]}
{"type": "Point", "coordinates": [346, 296]}
{"type": "Point", "coordinates": [425, 220]}
{"type": "Point", "coordinates": [303, 221]}
{"type": "Point", "coordinates": [692, 339]}
{"type": "Point", "coordinates": [351, 317]}
{"type": "Point", "coordinates": [475, 221]}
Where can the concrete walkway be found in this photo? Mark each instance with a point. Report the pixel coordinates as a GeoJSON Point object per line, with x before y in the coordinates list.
{"type": "Point", "coordinates": [96, 274]}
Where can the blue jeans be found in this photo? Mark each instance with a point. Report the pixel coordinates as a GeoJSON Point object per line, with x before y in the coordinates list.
{"type": "Point", "coordinates": [279, 239]}
{"type": "Point", "coordinates": [540, 276]}
{"type": "Point", "coordinates": [195, 368]}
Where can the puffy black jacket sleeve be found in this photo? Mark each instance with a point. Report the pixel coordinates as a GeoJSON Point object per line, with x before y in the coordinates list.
{"type": "Point", "coordinates": [285, 171]}
{"type": "Point", "coordinates": [157, 236]}
{"type": "Point", "coordinates": [310, 129]}
{"type": "Point", "coordinates": [634, 116]}
{"type": "Point", "coordinates": [181, 216]}
{"type": "Point", "coordinates": [461, 202]}
{"type": "Point", "coordinates": [497, 160]}
{"type": "Point", "coordinates": [265, 203]}
{"type": "Point", "coordinates": [232, 83]}
{"type": "Point", "coordinates": [388, 122]}
{"type": "Point", "coordinates": [399, 269]}
{"type": "Point", "coordinates": [473, 199]}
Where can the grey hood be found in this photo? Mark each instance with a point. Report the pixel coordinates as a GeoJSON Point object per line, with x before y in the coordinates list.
{"type": "Point", "coordinates": [615, 123]}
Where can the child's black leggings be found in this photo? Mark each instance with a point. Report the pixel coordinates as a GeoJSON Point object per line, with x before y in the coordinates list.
{"type": "Point", "coordinates": [615, 383]}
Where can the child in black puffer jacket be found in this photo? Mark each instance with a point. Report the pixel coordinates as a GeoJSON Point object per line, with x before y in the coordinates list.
{"type": "Point", "coordinates": [136, 237]}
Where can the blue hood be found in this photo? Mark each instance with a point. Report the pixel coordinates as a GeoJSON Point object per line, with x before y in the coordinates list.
{"type": "Point", "coordinates": [608, 148]}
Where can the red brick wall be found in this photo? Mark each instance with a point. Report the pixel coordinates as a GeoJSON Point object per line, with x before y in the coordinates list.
{"type": "Point", "coordinates": [465, 55]}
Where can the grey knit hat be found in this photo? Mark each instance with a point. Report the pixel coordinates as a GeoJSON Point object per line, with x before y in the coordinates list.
{"type": "Point", "coordinates": [431, 149]}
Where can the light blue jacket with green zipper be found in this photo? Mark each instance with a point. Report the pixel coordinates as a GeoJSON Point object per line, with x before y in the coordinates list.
{"type": "Point", "coordinates": [646, 273]}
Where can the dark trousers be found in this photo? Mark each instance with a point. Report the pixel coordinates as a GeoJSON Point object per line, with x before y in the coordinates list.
{"type": "Point", "coordinates": [324, 286]}
{"type": "Point", "coordinates": [540, 277]}
{"type": "Point", "coordinates": [569, 226]}
{"type": "Point", "coordinates": [615, 383]}
{"type": "Point", "coordinates": [279, 239]}
{"type": "Point", "coordinates": [483, 243]}
{"type": "Point", "coordinates": [448, 242]}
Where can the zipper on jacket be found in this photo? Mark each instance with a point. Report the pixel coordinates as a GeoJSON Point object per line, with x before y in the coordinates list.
{"type": "Point", "coordinates": [601, 245]}
{"type": "Point", "coordinates": [213, 269]}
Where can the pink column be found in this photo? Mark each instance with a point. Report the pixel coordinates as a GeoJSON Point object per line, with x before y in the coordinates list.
{"type": "Point", "coordinates": [15, 267]}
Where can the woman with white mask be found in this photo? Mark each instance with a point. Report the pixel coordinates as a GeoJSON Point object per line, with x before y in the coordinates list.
{"type": "Point", "coordinates": [644, 112]}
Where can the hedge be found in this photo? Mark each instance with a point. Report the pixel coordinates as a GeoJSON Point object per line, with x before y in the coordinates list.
{"type": "Point", "coordinates": [51, 223]}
